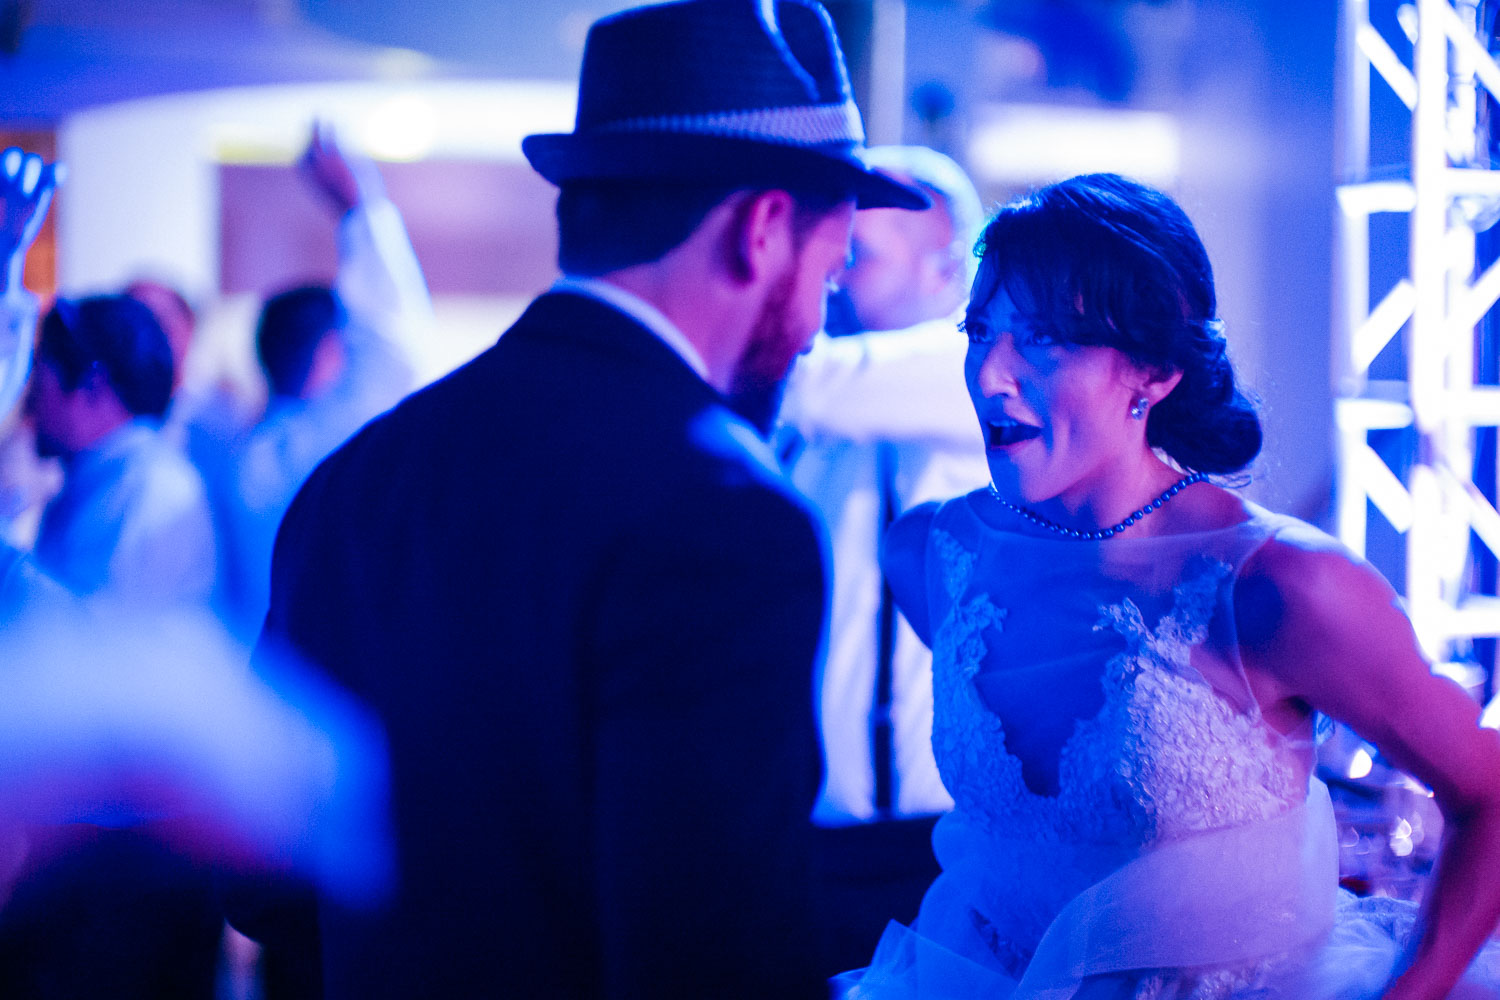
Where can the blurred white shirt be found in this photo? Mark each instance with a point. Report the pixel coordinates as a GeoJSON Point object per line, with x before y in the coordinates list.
{"type": "Point", "coordinates": [848, 400]}
{"type": "Point", "coordinates": [131, 522]}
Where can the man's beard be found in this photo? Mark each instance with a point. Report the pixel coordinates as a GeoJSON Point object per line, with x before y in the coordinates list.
{"type": "Point", "coordinates": [760, 376]}
{"type": "Point", "coordinates": [772, 346]}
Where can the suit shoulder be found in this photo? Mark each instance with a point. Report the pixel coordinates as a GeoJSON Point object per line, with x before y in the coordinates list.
{"type": "Point", "coordinates": [725, 480]}
{"type": "Point", "coordinates": [746, 458]}
{"type": "Point", "coordinates": [722, 437]}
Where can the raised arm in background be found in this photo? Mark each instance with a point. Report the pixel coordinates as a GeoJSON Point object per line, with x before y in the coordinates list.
{"type": "Point", "coordinates": [905, 385]}
{"type": "Point", "coordinates": [26, 188]}
{"type": "Point", "coordinates": [379, 280]}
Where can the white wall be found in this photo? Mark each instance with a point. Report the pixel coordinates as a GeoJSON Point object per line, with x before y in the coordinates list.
{"type": "Point", "coordinates": [142, 193]}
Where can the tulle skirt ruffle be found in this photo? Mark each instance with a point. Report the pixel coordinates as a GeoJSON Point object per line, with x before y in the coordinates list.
{"type": "Point", "coordinates": [1234, 913]}
{"type": "Point", "coordinates": [1355, 961]}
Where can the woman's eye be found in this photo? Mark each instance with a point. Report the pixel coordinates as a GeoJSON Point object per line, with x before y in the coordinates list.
{"type": "Point", "coordinates": [1036, 338]}
{"type": "Point", "coordinates": [977, 333]}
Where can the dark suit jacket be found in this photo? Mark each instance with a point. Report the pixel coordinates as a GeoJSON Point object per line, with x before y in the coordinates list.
{"type": "Point", "coordinates": [586, 606]}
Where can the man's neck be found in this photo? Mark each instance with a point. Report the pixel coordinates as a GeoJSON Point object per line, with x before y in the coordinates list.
{"type": "Point", "coordinates": [697, 308]}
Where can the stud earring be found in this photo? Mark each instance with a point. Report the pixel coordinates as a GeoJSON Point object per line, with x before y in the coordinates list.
{"type": "Point", "coordinates": [1139, 407]}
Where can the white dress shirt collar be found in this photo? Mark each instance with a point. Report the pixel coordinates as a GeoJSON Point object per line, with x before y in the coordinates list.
{"type": "Point", "coordinates": [639, 310]}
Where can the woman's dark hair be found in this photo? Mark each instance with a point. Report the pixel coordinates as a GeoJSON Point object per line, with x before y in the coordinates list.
{"type": "Point", "coordinates": [115, 335]}
{"type": "Point", "coordinates": [1104, 261]}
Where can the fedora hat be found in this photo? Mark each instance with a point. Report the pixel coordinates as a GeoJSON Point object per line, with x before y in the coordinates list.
{"type": "Point", "coordinates": [742, 92]}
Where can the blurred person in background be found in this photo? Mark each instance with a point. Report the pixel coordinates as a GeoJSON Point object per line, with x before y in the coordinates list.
{"type": "Point", "coordinates": [101, 904]}
{"type": "Point", "coordinates": [332, 359]}
{"type": "Point", "coordinates": [202, 416]}
{"type": "Point", "coordinates": [178, 319]}
{"type": "Point", "coordinates": [131, 521]}
{"type": "Point", "coordinates": [870, 429]}
{"type": "Point", "coordinates": [909, 268]}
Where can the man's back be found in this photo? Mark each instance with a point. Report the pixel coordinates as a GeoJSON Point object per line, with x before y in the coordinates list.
{"type": "Point", "coordinates": [574, 586]}
{"type": "Point", "coordinates": [588, 611]}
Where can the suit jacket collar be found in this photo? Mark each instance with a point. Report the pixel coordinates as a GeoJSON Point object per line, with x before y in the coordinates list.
{"type": "Point", "coordinates": [570, 316]}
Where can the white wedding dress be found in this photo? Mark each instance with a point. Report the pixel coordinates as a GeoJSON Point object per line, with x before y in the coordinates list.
{"type": "Point", "coordinates": [1126, 823]}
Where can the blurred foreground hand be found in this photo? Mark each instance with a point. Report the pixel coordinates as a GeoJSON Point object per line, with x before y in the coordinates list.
{"type": "Point", "coordinates": [157, 723]}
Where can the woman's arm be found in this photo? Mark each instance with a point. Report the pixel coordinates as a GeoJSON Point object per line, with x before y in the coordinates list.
{"type": "Point", "coordinates": [903, 560]}
{"type": "Point", "coordinates": [1324, 628]}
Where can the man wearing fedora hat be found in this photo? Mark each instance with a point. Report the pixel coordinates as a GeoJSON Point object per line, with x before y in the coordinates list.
{"type": "Point", "coordinates": [572, 581]}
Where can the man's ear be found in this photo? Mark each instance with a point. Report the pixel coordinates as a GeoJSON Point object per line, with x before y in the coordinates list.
{"type": "Point", "coordinates": [761, 235]}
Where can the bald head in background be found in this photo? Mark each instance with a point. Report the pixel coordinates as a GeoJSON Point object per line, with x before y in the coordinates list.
{"type": "Point", "coordinates": [911, 267]}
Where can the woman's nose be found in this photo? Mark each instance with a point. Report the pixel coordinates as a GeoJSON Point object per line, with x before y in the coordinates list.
{"type": "Point", "coordinates": [997, 369]}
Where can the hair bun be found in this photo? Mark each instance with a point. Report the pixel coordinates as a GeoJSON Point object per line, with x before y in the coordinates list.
{"type": "Point", "coordinates": [1206, 424]}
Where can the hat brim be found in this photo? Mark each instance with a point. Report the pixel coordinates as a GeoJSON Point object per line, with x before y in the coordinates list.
{"type": "Point", "coordinates": [690, 158]}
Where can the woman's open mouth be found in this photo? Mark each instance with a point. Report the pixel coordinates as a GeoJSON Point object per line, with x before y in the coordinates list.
{"type": "Point", "coordinates": [1004, 433]}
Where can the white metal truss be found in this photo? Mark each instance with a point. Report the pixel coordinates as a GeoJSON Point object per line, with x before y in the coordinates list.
{"type": "Point", "coordinates": [1438, 304]}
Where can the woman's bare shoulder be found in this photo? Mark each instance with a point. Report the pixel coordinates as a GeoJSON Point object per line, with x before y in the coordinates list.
{"type": "Point", "coordinates": [1298, 558]}
{"type": "Point", "coordinates": [904, 551]}
{"type": "Point", "coordinates": [903, 559]}
{"type": "Point", "coordinates": [917, 522]}
{"type": "Point", "coordinates": [1311, 612]}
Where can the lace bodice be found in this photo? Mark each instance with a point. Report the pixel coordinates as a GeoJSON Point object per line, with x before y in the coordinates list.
{"type": "Point", "coordinates": [1089, 703]}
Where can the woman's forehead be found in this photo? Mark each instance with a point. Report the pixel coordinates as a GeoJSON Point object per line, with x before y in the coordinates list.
{"type": "Point", "coordinates": [989, 295]}
{"type": "Point", "coordinates": [1011, 291]}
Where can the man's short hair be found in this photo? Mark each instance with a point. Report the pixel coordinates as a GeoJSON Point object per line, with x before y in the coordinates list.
{"type": "Point", "coordinates": [945, 182]}
{"type": "Point", "coordinates": [292, 325]}
{"type": "Point", "coordinates": [116, 336]}
{"type": "Point", "coordinates": [605, 226]}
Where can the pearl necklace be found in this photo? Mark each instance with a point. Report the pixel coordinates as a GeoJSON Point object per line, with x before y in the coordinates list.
{"type": "Point", "coordinates": [1101, 533]}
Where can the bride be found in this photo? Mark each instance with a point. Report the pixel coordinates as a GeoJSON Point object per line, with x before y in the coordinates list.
{"type": "Point", "coordinates": [1128, 660]}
